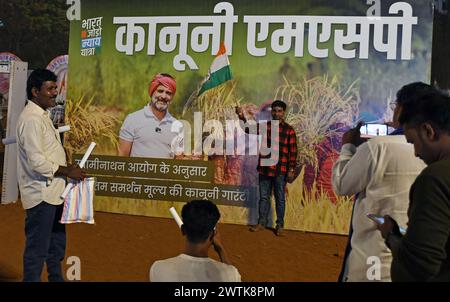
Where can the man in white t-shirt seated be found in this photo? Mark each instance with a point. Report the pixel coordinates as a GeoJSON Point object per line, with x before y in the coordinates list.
{"type": "Point", "coordinates": [193, 265]}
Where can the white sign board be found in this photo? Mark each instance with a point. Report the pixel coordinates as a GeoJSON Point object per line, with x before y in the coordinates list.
{"type": "Point", "coordinates": [16, 102]}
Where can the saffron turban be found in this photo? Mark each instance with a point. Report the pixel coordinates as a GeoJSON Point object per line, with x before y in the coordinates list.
{"type": "Point", "coordinates": [166, 81]}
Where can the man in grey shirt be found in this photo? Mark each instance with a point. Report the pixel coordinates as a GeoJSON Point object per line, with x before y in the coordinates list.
{"type": "Point", "coordinates": [153, 131]}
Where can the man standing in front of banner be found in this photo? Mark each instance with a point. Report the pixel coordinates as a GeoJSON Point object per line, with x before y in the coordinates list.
{"type": "Point", "coordinates": [42, 170]}
{"type": "Point", "coordinates": [153, 131]}
{"type": "Point", "coordinates": [276, 175]}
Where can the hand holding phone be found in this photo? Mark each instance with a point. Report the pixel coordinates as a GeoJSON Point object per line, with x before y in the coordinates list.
{"type": "Point", "coordinates": [380, 220]}
{"type": "Point", "coordinates": [353, 135]}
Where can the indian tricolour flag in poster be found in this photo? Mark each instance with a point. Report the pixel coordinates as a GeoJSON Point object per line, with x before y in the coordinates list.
{"type": "Point", "coordinates": [219, 72]}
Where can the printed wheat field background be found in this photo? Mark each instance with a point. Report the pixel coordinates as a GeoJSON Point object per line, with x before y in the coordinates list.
{"type": "Point", "coordinates": [315, 105]}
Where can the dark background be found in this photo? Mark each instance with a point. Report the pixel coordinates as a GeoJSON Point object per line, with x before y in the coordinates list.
{"type": "Point", "coordinates": [36, 31]}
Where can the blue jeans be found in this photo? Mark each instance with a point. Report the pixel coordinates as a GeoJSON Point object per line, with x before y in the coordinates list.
{"type": "Point", "coordinates": [266, 183]}
{"type": "Point", "coordinates": [45, 242]}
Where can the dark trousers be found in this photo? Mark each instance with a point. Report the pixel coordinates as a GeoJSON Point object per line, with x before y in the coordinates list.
{"type": "Point", "coordinates": [348, 248]}
{"type": "Point", "coordinates": [266, 184]}
{"type": "Point", "coordinates": [45, 242]}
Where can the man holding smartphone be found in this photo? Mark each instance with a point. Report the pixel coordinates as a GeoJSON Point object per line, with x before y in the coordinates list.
{"type": "Point", "coordinates": [380, 172]}
{"type": "Point", "coordinates": [422, 254]}
{"type": "Point", "coordinates": [200, 218]}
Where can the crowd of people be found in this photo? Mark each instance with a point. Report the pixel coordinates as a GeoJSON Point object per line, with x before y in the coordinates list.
{"type": "Point", "coordinates": [403, 178]}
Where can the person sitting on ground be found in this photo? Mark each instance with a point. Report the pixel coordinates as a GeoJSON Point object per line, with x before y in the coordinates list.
{"type": "Point", "coordinates": [193, 265]}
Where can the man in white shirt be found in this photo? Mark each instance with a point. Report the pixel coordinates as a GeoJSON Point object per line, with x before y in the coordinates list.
{"type": "Point", "coordinates": [153, 131]}
{"type": "Point", "coordinates": [193, 265]}
{"type": "Point", "coordinates": [381, 172]}
{"type": "Point", "coordinates": [42, 170]}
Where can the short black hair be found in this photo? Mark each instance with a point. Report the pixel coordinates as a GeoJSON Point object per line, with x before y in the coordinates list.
{"type": "Point", "coordinates": [199, 219]}
{"type": "Point", "coordinates": [432, 107]}
{"type": "Point", "coordinates": [37, 78]}
{"type": "Point", "coordinates": [279, 103]}
{"type": "Point", "coordinates": [412, 91]}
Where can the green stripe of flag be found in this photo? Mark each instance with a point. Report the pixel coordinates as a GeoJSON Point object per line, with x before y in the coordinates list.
{"type": "Point", "coordinates": [216, 78]}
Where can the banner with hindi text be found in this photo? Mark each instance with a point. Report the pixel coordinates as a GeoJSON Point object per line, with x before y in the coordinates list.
{"type": "Point", "coordinates": [332, 62]}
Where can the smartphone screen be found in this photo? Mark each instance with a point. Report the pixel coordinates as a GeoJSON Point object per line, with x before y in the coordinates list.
{"type": "Point", "coordinates": [380, 220]}
{"type": "Point", "coordinates": [374, 130]}
{"type": "Point", "coordinates": [377, 219]}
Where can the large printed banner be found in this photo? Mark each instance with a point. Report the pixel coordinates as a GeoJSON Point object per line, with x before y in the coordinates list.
{"type": "Point", "coordinates": [333, 62]}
